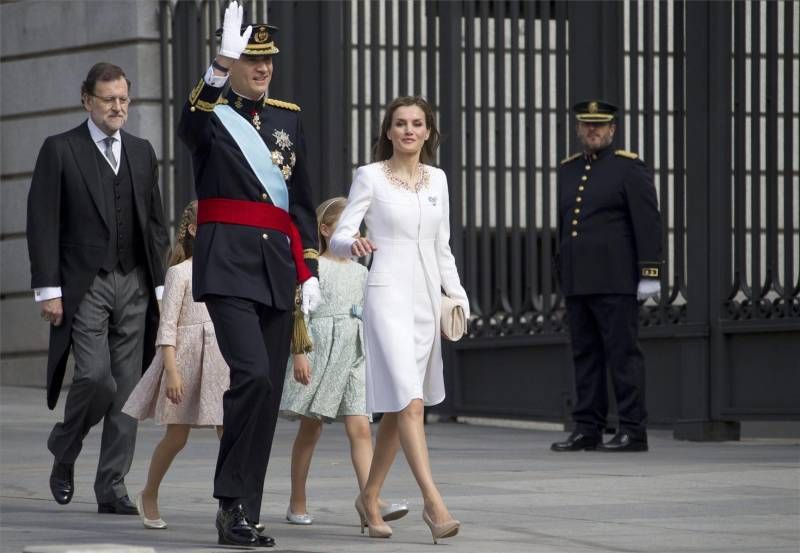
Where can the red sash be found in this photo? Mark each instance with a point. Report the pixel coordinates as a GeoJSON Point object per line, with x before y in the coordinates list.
{"type": "Point", "coordinates": [255, 214]}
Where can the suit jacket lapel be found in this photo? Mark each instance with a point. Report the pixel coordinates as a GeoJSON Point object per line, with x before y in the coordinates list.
{"type": "Point", "coordinates": [85, 152]}
{"type": "Point", "coordinates": [135, 159]}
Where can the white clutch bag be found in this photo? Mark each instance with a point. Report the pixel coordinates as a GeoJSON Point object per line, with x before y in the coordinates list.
{"type": "Point", "coordinates": [453, 320]}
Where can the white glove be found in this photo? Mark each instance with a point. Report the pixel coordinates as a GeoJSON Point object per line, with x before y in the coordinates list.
{"type": "Point", "coordinates": [233, 43]}
{"type": "Point", "coordinates": [648, 288]}
{"type": "Point", "coordinates": [311, 295]}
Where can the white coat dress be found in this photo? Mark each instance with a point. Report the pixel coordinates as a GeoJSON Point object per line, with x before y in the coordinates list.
{"type": "Point", "coordinates": [411, 265]}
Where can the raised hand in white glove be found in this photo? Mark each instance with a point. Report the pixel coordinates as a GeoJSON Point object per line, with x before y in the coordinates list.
{"type": "Point", "coordinates": [233, 40]}
{"type": "Point", "coordinates": [648, 288]}
{"type": "Point", "coordinates": [311, 295]}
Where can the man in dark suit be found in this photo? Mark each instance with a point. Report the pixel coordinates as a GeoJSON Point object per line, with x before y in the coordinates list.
{"type": "Point", "coordinates": [256, 240]}
{"type": "Point", "coordinates": [97, 241]}
{"type": "Point", "coordinates": [609, 231]}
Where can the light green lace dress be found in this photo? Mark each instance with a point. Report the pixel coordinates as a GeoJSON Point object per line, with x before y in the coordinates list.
{"type": "Point", "coordinates": [337, 386]}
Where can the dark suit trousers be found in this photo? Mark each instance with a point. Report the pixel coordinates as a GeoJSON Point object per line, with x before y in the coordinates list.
{"type": "Point", "coordinates": [107, 344]}
{"type": "Point", "coordinates": [254, 340]}
{"type": "Point", "coordinates": [604, 330]}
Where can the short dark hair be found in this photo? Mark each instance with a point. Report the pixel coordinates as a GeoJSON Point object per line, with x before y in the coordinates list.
{"type": "Point", "coordinates": [102, 71]}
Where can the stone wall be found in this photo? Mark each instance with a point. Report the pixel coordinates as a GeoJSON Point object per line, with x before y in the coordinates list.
{"type": "Point", "coordinates": [46, 50]}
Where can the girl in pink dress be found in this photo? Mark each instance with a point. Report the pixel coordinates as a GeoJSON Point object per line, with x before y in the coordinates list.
{"type": "Point", "coordinates": [184, 384]}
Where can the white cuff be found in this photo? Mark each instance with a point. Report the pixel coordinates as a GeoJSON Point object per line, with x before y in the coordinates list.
{"type": "Point", "coordinates": [159, 292]}
{"type": "Point", "coordinates": [214, 80]}
{"type": "Point", "coordinates": [47, 293]}
{"type": "Point", "coordinates": [343, 247]}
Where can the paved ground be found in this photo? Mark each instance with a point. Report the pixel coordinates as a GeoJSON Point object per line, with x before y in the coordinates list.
{"type": "Point", "coordinates": [510, 492]}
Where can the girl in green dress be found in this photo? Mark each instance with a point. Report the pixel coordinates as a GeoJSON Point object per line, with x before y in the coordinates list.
{"type": "Point", "coordinates": [327, 384]}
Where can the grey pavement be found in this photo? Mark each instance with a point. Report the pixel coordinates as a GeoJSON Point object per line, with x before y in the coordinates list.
{"type": "Point", "coordinates": [509, 491]}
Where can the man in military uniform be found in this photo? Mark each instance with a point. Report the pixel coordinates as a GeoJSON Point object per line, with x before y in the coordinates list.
{"type": "Point", "coordinates": [609, 231]}
{"type": "Point", "coordinates": [256, 239]}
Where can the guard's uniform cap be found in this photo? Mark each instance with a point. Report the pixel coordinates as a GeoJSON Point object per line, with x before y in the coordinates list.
{"type": "Point", "coordinates": [261, 42]}
{"type": "Point", "coordinates": [594, 111]}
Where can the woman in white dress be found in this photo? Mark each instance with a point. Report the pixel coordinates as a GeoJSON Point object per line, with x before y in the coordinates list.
{"type": "Point", "coordinates": [405, 205]}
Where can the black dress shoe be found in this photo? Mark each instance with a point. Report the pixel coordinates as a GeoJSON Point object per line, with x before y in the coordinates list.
{"type": "Point", "coordinates": [623, 442]}
{"type": "Point", "coordinates": [578, 441]}
{"type": "Point", "coordinates": [62, 482]}
{"type": "Point", "coordinates": [233, 527]}
{"type": "Point", "coordinates": [120, 506]}
{"type": "Point", "coordinates": [262, 540]}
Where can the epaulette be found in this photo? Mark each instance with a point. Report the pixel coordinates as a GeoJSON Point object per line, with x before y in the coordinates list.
{"type": "Point", "coordinates": [626, 153]}
{"type": "Point", "coordinates": [570, 158]}
{"type": "Point", "coordinates": [281, 104]}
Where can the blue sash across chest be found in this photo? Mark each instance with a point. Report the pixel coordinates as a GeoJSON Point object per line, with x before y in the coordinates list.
{"type": "Point", "coordinates": [256, 153]}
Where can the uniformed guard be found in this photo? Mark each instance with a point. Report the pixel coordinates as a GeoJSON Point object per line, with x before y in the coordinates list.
{"type": "Point", "coordinates": [256, 240]}
{"type": "Point", "coordinates": [609, 231]}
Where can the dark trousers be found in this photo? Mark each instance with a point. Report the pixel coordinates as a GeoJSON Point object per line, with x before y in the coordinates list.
{"type": "Point", "coordinates": [254, 340]}
{"type": "Point", "coordinates": [604, 330]}
{"type": "Point", "coordinates": [107, 345]}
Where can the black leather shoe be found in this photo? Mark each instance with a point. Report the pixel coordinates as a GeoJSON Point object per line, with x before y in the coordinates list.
{"type": "Point", "coordinates": [62, 482]}
{"type": "Point", "coordinates": [623, 442]}
{"type": "Point", "coordinates": [120, 506]}
{"type": "Point", "coordinates": [577, 441]}
{"type": "Point", "coordinates": [262, 540]}
{"type": "Point", "coordinates": [233, 527]}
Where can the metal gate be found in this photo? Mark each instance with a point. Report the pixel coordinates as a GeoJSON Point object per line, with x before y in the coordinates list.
{"type": "Point", "coordinates": [708, 94]}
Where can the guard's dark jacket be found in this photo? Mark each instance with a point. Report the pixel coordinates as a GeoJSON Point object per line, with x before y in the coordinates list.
{"type": "Point", "coordinates": [609, 227]}
{"type": "Point", "coordinates": [233, 260]}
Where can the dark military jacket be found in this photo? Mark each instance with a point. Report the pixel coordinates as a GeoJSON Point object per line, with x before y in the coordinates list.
{"type": "Point", "coordinates": [234, 260]}
{"type": "Point", "coordinates": [609, 227]}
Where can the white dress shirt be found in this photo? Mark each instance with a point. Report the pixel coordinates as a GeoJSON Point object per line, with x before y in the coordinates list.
{"type": "Point", "coordinates": [99, 138]}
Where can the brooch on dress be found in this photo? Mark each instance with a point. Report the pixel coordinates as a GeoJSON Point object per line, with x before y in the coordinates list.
{"type": "Point", "coordinates": [433, 200]}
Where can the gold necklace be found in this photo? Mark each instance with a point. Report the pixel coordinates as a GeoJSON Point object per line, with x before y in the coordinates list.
{"type": "Point", "coordinates": [416, 185]}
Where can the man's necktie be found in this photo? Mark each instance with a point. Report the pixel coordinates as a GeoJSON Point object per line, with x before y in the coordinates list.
{"type": "Point", "coordinates": [109, 152]}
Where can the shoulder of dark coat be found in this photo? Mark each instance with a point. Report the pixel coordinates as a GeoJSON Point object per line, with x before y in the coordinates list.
{"type": "Point", "coordinates": [132, 140]}
{"type": "Point", "coordinates": [626, 154]}
{"type": "Point", "coordinates": [281, 104]}
{"type": "Point", "coordinates": [573, 157]}
{"type": "Point", "coordinates": [81, 131]}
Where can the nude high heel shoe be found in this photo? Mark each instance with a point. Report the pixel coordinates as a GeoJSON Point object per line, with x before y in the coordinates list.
{"type": "Point", "coordinates": [149, 523]}
{"type": "Point", "coordinates": [446, 529]}
{"type": "Point", "coordinates": [382, 531]}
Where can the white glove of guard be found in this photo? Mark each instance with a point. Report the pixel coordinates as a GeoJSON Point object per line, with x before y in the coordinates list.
{"type": "Point", "coordinates": [311, 295]}
{"type": "Point", "coordinates": [233, 43]}
{"type": "Point", "coordinates": [648, 288]}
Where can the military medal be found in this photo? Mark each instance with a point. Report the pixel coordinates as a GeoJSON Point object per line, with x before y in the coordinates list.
{"type": "Point", "coordinates": [257, 121]}
{"type": "Point", "coordinates": [238, 103]}
{"type": "Point", "coordinates": [282, 139]}
{"type": "Point", "coordinates": [277, 157]}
